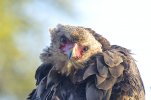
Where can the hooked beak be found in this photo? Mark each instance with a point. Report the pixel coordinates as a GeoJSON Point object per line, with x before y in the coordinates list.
{"type": "Point", "coordinates": [73, 51]}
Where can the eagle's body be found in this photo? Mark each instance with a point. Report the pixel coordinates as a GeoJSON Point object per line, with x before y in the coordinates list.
{"type": "Point", "coordinates": [82, 65]}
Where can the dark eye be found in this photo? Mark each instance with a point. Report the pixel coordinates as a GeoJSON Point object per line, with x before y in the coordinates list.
{"type": "Point", "coordinates": [86, 48]}
{"type": "Point", "coordinates": [63, 39]}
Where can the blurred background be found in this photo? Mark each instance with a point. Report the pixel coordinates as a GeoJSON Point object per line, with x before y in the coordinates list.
{"type": "Point", "coordinates": [24, 33]}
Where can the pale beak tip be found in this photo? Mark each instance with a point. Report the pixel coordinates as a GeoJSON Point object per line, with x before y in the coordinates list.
{"type": "Point", "coordinates": [69, 55]}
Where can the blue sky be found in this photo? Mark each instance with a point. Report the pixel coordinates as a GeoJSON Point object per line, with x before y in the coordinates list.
{"type": "Point", "coordinates": [122, 22]}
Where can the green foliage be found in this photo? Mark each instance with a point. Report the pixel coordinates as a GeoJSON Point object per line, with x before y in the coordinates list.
{"type": "Point", "coordinates": [15, 78]}
{"type": "Point", "coordinates": [17, 66]}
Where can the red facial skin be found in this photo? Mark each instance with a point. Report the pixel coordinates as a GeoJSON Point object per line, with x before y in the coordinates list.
{"type": "Point", "coordinates": [68, 48]}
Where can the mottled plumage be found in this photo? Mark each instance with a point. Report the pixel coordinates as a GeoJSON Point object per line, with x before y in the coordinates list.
{"type": "Point", "coordinates": [82, 65]}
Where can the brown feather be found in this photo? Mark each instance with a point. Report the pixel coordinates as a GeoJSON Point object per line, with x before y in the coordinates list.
{"type": "Point", "coordinates": [104, 72]}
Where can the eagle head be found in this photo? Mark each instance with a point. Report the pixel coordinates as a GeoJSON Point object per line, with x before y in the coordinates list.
{"type": "Point", "coordinates": [71, 47]}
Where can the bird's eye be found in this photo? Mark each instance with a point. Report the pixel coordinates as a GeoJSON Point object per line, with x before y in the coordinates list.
{"type": "Point", "coordinates": [63, 39]}
{"type": "Point", "coordinates": [86, 48]}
